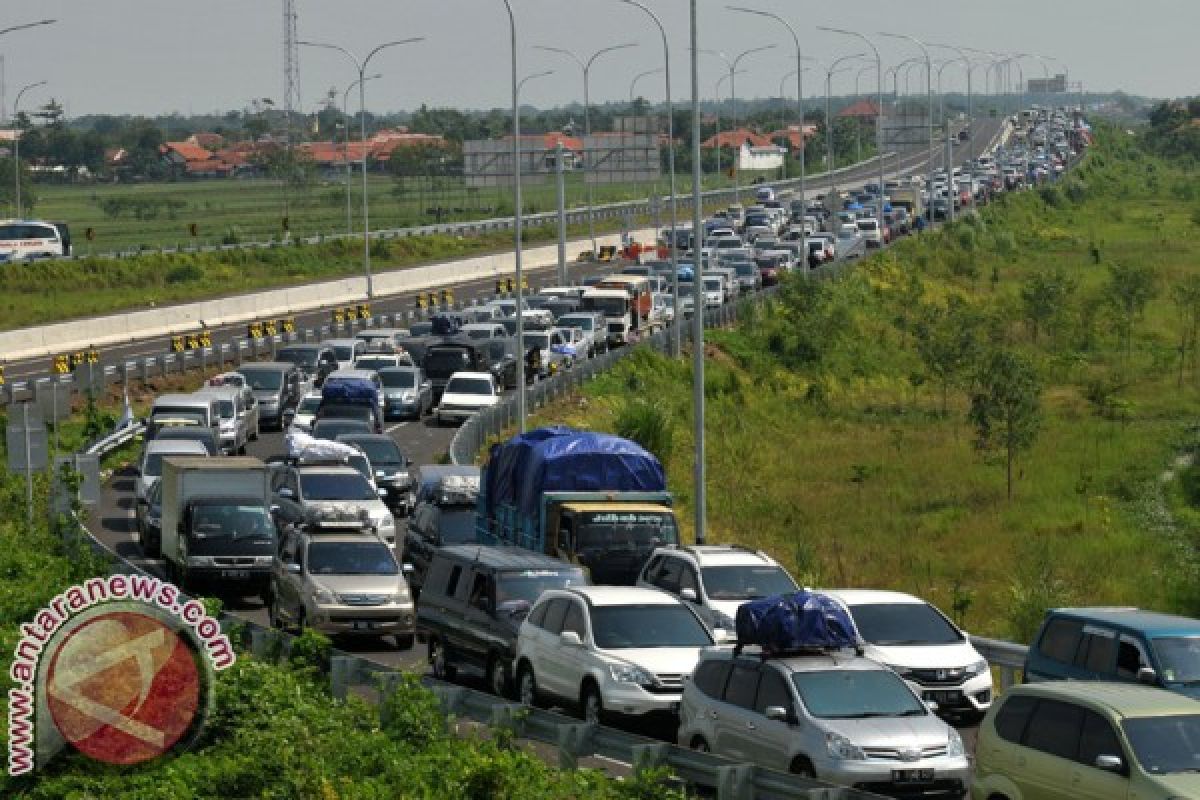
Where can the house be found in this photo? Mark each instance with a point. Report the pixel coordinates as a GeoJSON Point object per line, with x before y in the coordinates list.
{"type": "Point", "coordinates": [736, 139]}
{"type": "Point", "coordinates": [209, 141]}
{"type": "Point", "coordinates": [792, 134]}
{"type": "Point", "coordinates": [863, 111]}
{"type": "Point", "coordinates": [767, 157]}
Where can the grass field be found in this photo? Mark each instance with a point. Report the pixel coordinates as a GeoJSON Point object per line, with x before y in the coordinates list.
{"type": "Point", "coordinates": [828, 446]}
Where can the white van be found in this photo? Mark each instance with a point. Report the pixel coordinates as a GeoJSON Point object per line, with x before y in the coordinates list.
{"type": "Point", "coordinates": [184, 409]}
{"type": "Point", "coordinates": [28, 239]}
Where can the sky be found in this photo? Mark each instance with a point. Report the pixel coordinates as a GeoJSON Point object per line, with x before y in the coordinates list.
{"type": "Point", "coordinates": [163, 56]}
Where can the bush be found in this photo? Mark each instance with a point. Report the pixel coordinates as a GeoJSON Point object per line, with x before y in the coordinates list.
{"type": "Point", "coordinates": [183, 273]}
{"type": "Point", "coordinates": [647, 424]}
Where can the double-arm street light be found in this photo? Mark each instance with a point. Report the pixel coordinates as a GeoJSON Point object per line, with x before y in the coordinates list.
{"type": "Point", "coordinates": [346, 124]}
{"type": "Point", "coordinates": [928, 81]}
{"type": "Point", "coordinates": [799, 85]}
{"type": "Point", "coordinates": [829, 155]}
{"type": "Point", "coordinates": [717, 95]}
{"type": "Point", "coordinates": [586, 67]}
{"type": "Point", "coordinates": [676, 344]}
{"type": "Point", "coordinates": [361, 66]}
{"type": "Point", "coordinates": [879, 118]}
{"type": "Point", "coordinates": [17, 143]}
{"type": "Point", "coordinates": [732, 64]}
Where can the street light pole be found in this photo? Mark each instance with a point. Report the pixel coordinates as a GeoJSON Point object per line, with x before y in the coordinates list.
{"type": "Point", "coordinates": [649, 189]}
{"type": "Point", "coordinates": [733, 72]}
{"type": "Point", "coordinates": [799, 86]}
{"type": "Point", "coordinates": [17, 143]}
{"type": "Point", "coordinates": [928, 82]}
{"type": "Point", "coordinates": [858, 128]}
{"type": "Point", "coordinates": [346, 158]}
{"type": "Point", "coordinates": [698, 459]}
{"type": "Point", "coordinates": [829, 156]}
{"type": "Point", "coordinates": [362, 113]}
{"type": "Point", "coordinates": [586, 67]}
{"type": "Point", "coordinates": [676, 333]}
{"type": "Point", "coordinates": [879, 118]}
{"type": "Point", "coordinates": [717, 95]}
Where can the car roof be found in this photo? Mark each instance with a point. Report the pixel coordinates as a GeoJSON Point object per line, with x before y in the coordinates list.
{"type": "Point", "coordinates": [481, 326]}
{"type": "Point", "coordinates": [266, 365]}
{"type": "Point", "coordinates": [863, 597]}
{"type": "Point", "coordinates": [817, 661]}
{"type": "Point", "coordinates": [181, 447]}
{"type": "Point", "coordinates": [1124, 699]}
{"type": "Point", "coordinates": [502, 557]}
{"type": "Point", "coordinates": [624, 596]}
{"type": "Point", "coordinates": [1152, 623]}
{"type": "Point", "coordinates": [717, 555]}
{"type": "Point", "coordinates": [343, 341]}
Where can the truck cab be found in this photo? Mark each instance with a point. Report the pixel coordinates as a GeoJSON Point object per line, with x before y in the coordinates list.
{"type": "Point", "coordinates": [612, 541]}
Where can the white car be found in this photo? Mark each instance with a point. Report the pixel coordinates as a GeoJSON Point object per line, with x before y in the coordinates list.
{"type": "Point", "coordinates": [714, 292]}
{"type": "Point", "coordinates": [924, 647]}
{"type": "Point", "coordinates": [465, 394]}
{"type": "Point", "coordinates": [716, 580]}
{"type": "Point", "coordinates": [306, 412]}
{"type": "Point", "coordinates": [608, 650]}
{"type": "Point", "coordinates": [150, 467]}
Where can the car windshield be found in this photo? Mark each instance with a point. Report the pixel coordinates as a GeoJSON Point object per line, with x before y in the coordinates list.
{"type": "Point", "coordinates": [301, 358]}
{"type": "Point", "coordinates": [469, 386]}
{"type": "Point", "coordinates": [856, 694]}
{"type": "Point", "coordinates": [309, 405]}
{"type": "Point", "coordinates": [442, 362]}
{"type": "Point", "coordinates": [225, 409]}
{"type": "Point", "coordinates": [398, 379]}
{"type": "Point", "coordinates": [1167, 744]}
{"type": "Point", "coordinates": [745, 582]}
{"type": "Point", "coordinates": [528, 584]}
{"type": "Point", "coordinates": [645, 626]}
{"type": "Point", "coordinates": [332, 428]}
{"type": "Point", "coordinates": [608, 306]}
{"type": "Point", "coordinates": [746, 269]}
{"type": "Point", "coordinates": [585, 323]}
{"type": "Point", "coordinates": [538, 340]}
{"type": "Point", "coordinates": [603, 530]}
{"type": "Point", "coordinates": [263, 378]}
{"type": "Point", "coordinates": [211, 523]}
{"type": "Point", "coordinates": [712, 284]}
{"type": "Point", "coordinates": [382, 452]}
{"type": "Point", "coordinates": [1179, 657]}
{"type": "Point", "coordinates": [375, 362]}
{"type": "Point", "coordinates": [351, 558]}
{"type": "Point", "coordinates": [344, 352]}
{"type": "Point", "coordinates": [336, 486]}
{"type": "Point", "coordinates": [892, 624]}
{"type": "Point", "coordinates": [479, 333]}
{"type": "Point", "coordinates": [456, 525]}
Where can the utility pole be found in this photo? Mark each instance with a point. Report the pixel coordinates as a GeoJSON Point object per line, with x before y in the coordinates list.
{"type": "Point", "coordinates": [561, 180]}
{"type": "Point", "coordinates": [698, 467]}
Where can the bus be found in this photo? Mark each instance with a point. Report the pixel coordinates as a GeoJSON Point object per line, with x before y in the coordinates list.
{"type": "Point", "coordinates": [28, 239]}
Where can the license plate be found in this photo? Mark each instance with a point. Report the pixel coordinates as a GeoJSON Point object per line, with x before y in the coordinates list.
{"type": "Point", "coordinates": [912, 776]}
{"type": "Point", "coordinates": [235, 573]}
{"type": "Point", "coordinates": [364, 625]}
{"type": "Point", "coordinates": [943, 697]}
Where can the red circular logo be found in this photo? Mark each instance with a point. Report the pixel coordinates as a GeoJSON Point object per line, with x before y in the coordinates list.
{"type": "Point", "coordinates": [123, 687]}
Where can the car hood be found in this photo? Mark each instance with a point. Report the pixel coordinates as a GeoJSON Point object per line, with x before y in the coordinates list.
{"type": "Point", "coordinates": [902, 733]}
{"type": "Point", "coordinates": [468, 400]}
{"type": "Point", "coordinates": [361, 584]}
{"type": "Point", "coordinates": [266, 394]}
{"type": "Point", "coordinates": [947, 656]}
{"type": "Point", "coordinates": [375, 508]}
{"type": "Point", "coordinates": [659, 660]}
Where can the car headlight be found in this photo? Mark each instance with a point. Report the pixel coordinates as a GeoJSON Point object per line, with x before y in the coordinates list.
{"type": "Point", "coordinates": [954, 748]}
{"type": "Point", "coordinates": [843, 749]}
{"type": "Point", "coordinates": [199, 561]}
{"type": "Point", "coordinates": [628, 673]}
{"type": "Point", "coordinates": [978, 668]}
{"type": "Point", "coordinates": [387, 522]}
{"type": "Point", "coordinates": [323, 595]}
{"type": "Point", "coordinates": [402, 597]}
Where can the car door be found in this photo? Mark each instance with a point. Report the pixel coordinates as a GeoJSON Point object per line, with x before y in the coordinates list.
{"type": "Point", "coordinates": [286, 583]}
{"type": "Point", "coordinates": [736, 732]}
{"type": "Point", "coordinates": [543, 642]}
{"type": "Point", "coordinates": [771, 739]}
{"type": "Point", "coordinates": [477, 619]}
{"type": "Point", "coordinates": [565, 665]}
{"type": "Point", "coordinates": [1051, 747]}
{"type": "Point", "coordinates": [1089, 782]}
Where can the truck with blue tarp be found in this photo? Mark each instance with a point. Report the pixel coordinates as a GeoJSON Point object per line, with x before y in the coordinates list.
{"type": "Point", "coordinates": [592, 499]}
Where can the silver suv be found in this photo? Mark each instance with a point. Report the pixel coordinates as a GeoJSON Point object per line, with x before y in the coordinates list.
{"type": "Point", "coordinates": [834, 716]}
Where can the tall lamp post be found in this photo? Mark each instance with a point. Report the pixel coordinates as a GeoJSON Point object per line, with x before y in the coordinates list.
{"type": "Point", "coordinates": [799, 85]}
{"type": "Point", "coordinates": [698, 459]}
{"type": "Point", "coordinates": [858, 128]}
{"type": "Point", "coordinates": [17, 143]}
{"type": "Point", "coordinates": [928, 81]}
{"type": "Point", "coordinates": [649, 189]}
{"type": "Point", "coordinates": [586, 67]}
{"type": "Point", "coordinates": [346, 117]}
{"type": "Point", "coordinates": [732, 64]}
{"type": "Point", "coordinates": [676, 344]}
{"type": "Point", "coordinates": [717, 95]}
{"type": "Point", "coordinates": [361, 66]}
{"type": "Point", "coordinates": [879, 92]}
{"type": "Point", "coordinates": [829, 156]}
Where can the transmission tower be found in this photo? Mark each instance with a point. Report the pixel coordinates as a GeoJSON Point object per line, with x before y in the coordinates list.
{"type": "Point", "coordinates": [291, 63]}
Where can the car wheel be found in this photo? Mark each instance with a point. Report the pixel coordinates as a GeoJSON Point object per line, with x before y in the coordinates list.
{"type": "Point", "coordinates": [700, 745]}
{"type": "Point", "coordinates": [803, 767]}
{"type": "Point", "coordinates": [527, 687]}
{"type": "Point", "coordinates": [497, 676]}
{"type": "Point", "coordinates": [592, 705]}
{"type": "Point", "coordinates": [404, 641]}
{"type": "Point", "coordinates": [151, 547]}
{"type": "Point", "coordinates": [439, 664]}
{"type": "Point", "coordinates": [273, 618]}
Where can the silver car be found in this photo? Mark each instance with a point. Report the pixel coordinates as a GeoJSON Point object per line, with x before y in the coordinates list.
{"type": "Point", "coordinates": [835, 716]}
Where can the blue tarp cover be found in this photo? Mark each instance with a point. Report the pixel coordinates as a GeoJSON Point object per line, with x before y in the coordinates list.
{"type": "Point", "coordinates": [349, 390]}
{"type": "Point", "coordinates": [560, 459]}
{"type": "Point", "coordinates": [797, 621]}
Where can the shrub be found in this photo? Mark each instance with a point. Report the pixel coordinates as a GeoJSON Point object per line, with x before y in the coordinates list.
{"type": "Point", "coordinates": [183, 273]}
{"type": "Point", "coordinates": [647, 424]}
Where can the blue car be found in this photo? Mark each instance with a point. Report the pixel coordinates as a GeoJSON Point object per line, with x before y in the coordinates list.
{"type": "Point", "coordinates": [1117, 644]}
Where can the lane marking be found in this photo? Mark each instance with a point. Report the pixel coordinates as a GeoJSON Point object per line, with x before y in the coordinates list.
{"type": "Point", "coordinates": [396, 427]}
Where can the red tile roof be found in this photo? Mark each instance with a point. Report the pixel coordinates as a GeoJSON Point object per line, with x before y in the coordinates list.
{"type": "Point", "coordinates": [792, 134]}
{"type": "Point", "coordinates": [863, 108]}
{"type": "Point", "coordinates": [188, 151]}
{"type": "Point", "coordinates": [736, 139]}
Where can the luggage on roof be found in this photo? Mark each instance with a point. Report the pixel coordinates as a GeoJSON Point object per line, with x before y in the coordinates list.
{"type": "Point", "coordinates": [796, 622]}
{"type": "Point", "coordinates": [349, 390]}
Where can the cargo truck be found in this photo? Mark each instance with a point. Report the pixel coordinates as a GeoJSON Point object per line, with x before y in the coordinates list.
{"type": "Point", "coordinates": [587, 498]}
{"type": "Point", "coordinates": [908, 198]}
{"type": "Point", "coordinates": [217, 524]}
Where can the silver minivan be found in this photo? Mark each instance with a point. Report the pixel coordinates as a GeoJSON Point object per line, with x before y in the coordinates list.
{"type": "Point", "coordinates": [238, 416]}
{"type": "Point", "coordinates": [183, 409]}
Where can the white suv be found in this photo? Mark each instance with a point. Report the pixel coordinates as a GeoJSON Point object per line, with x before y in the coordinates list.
{"type": "Point", "coordinates": [608, 649]}
{"type": "Point", "coordinates": [716, 579]}
{"type": "Point", "coordinates": [924, 647]}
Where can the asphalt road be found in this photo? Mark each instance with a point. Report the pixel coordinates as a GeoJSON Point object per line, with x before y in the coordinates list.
{"type": "Point", "coordinates": [422, 441]}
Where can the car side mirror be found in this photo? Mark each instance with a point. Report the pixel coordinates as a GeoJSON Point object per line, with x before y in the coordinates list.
{"type": "Point", "coordinates": [293, 569]}
{"type": "Point", "coordinates": [407, 568]}
{"type": "Point", "coordinates": [570, 639]}
{"type": "Point", "coordinates": [287, 494]}
{"type": "Point", "coordinates": [1110, 763]}
{"type": "Point", "coordinates": [688, 595]}
{"type": "Point", "coordinates": [932, 706]}
{"type": "Point", "coordinates": [777, 713]}
{"type": "Point", "coordinates": [1148, 676]}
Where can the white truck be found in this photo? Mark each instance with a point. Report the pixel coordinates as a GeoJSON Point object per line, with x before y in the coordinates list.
{"type": "Point", "coordinates": [217, 524]}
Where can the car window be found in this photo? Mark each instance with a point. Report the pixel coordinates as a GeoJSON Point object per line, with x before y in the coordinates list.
{"type": "Point", "coordinates": [480, 596]}
{"type": "Point", "coordinates": [1013, 716]}
{"type": "Point", "coordinates": [1097, 739]}
{"type": "Point", "coordinates": [710, 678]}
{"type": "Point", "coordinates": [668, 575]}
{"type": "Point", "coordinates": [772, 691]}
{"type": "Point", "coordinates": [574, 620]}
{"type": "Point", "coordinates": [288, 553]}
{"type": "Point", "coordinates": [452, 581]}
{"type": "Point", "coordinates": [1130, 658]}
{"type": "Point", "coordinates": [1060, 640]}
{"type": "Point", "coordinates": [538, 615]}
{"type": "Point", "coordinates": [742, 686]}
{"type": "Point", "coordinates": [1054, 728]}
{"type": "Point", "coordinates": [555, 615]}
{"type": "Point", "coordinates": [687, 579]}
{"type": "Point", "coordinates": [1098, 650]}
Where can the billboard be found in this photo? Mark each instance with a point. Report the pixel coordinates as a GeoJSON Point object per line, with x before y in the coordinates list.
{"type": "Point", "coordinates": [489, 162]}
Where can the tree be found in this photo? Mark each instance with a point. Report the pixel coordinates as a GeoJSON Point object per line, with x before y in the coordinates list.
{"type": "Point", "coordinates": [1044, 298]}
{"type": "Point", "coordinates": [948, 342]}
{"type": "Point", "coordinates": [1186, 296]}
{"type": "Point", "coordinates": [1128, 291]}
{"type": "Point", "coordinates": [8, 191]}
{"type": "Point", "coordinates": [1006, 407]}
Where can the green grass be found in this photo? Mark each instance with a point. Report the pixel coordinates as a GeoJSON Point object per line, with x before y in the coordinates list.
{"type": "Point", "coordinates": [827, 445]}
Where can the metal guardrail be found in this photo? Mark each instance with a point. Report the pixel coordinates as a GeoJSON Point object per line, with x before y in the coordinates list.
{"type": "Point", "coordinates": [1007, 657]}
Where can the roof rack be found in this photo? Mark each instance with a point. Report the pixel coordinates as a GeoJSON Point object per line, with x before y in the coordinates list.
{"type": "Point", "coordinates": [338, 519]}
{"type": "Point", "coordinates": [799, 652]}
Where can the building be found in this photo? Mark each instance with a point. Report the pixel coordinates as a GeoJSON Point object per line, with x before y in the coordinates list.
{"type": "Point", "coordinates": [737, 139]}
{"type": "Point", "coordinates": [766, 157]}
{"type": "Point", "coordinates": [863, 110]}
{"type": "Point", "coordinates": [792, 134]}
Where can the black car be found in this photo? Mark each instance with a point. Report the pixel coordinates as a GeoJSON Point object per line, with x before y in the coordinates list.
{"type": "Point", "coordinates": [368, 413]}
{"type": "Point", "coordinates": [451, 355]}
{"type": "Point", "coordinates": [314, 360]}
{"type": "Point", "coordinates": [432, 526]}
{"type": "Point", "coordinates": [502, 353]}
{"type": "Point", "coordinates": [149, 520]}
{"type": "Point", "coordinates": [390, 465]}
{"type": "Point", "coordinates": [331, 428]}
{"type": "Point", "coordinates": [473, 602]}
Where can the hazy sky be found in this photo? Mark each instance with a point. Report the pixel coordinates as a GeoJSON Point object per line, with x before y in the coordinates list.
{"type": "Point", "coordinates": [152, 56]}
